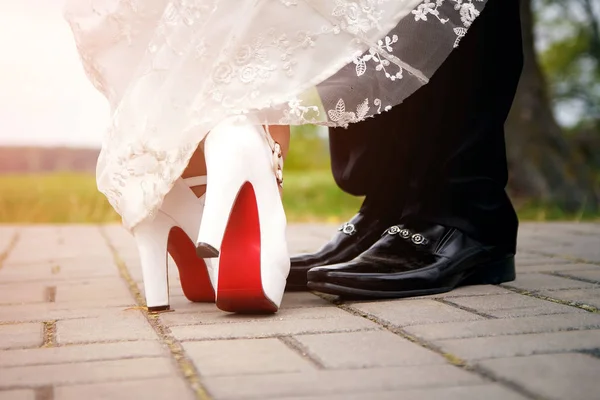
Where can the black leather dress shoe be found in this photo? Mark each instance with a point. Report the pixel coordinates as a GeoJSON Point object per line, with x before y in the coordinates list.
{"type": "Point", "coordinates": [353, 238]}
{"type": "Point", "coordinates": [415, 259]}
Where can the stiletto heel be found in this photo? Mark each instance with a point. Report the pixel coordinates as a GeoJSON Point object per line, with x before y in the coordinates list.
{"type": "Point", "coordinates": [169, 232]}
{"type": "Point", "coordinates": [244, 221]}
{"type": "Point", "coordinates": [152, 238]}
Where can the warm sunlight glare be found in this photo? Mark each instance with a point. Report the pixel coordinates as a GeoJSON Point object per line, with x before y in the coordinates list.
{"type": "Point", "coordinates": [45, 98]}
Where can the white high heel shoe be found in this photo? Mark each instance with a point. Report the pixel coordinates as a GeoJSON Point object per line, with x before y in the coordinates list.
{"type": "Point", "coordinates": [244, 221]}
{"type": "Point", "coordinates": [176, 222]}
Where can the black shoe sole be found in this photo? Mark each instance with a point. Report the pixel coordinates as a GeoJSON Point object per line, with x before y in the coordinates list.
{"type": "Point", "coordinates": [492, 273]}
{"type": "Point", "coordinates": [354, 293]}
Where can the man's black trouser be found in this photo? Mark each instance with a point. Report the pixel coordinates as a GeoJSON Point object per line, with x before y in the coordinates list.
{"type": "Point", "coordinates": [440, 155]}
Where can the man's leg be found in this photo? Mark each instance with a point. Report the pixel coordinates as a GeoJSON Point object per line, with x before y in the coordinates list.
{"type": "Point", "coordinates": [368, 159]}
{"type": "Point", "coordinates": [460, 182]}
{"type": "Point", "coordinates": [457, 219]}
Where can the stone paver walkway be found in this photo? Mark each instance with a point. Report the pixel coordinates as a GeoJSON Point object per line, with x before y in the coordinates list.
{"type": "Point", "coordinates": [72, 327]}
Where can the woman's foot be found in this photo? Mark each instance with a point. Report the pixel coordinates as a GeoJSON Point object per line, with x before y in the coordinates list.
{"type": "Point", "coordinates": [171, 231]}
{"type": "Point", "coordinates": [244, 221]}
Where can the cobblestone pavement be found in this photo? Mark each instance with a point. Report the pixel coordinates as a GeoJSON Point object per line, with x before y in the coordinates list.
{"type": "Point", "coordinates": [72, 327]}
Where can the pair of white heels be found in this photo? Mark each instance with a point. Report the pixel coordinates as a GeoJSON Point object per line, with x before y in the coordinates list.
{"type": "Point", "coordinates": [240, 258]}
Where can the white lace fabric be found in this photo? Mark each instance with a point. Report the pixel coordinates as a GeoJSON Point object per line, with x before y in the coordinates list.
{"type": "Point", "coordinates": [172, 70]}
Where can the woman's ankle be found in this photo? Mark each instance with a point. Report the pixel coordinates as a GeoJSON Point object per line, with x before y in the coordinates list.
{"type": "Point", "coordinates": [281, 134]}
{"type": "Point", "coordinates": [196, 167]}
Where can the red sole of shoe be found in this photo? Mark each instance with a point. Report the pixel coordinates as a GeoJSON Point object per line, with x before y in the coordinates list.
{"type": "Point", "coordinates": [193, 273]}
{"type": "Point", "coordinates": [240, 284]}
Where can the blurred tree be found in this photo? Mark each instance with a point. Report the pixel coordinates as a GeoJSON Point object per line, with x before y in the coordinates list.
{"type": "Point", "coordinates": [545, 165]}
{"type": "Point", "coordinates": [571, 56]}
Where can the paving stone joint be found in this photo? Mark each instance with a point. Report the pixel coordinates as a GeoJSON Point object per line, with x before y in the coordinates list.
{"type": "Point", "coordinates": [73, 325]}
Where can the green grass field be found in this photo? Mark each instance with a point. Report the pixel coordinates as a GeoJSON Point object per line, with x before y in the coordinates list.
{"type": "Point", "coordinates": [73, 198]}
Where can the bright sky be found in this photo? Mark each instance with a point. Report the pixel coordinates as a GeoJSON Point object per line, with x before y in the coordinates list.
{"type": "Point", "coordinates": [45, 97]}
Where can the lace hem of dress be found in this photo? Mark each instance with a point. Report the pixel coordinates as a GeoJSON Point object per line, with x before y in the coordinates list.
{"type": "Point", "coordinates": [361, 74]}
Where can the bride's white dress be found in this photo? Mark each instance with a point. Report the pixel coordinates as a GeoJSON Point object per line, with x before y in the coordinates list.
{"type": "Point", "coordinates": [173, 69]}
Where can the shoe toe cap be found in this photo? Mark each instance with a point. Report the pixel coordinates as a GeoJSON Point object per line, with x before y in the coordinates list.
{"type": "Point", "coordinates": [327, 272]}
{"type": "Point", "coordinates": [303, 260]}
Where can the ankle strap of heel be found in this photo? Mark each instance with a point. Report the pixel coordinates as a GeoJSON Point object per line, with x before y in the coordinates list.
{"type": "Point", "coordinates": [195, 181]}
{"type": "Point", "coordinates": [277, 156]}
